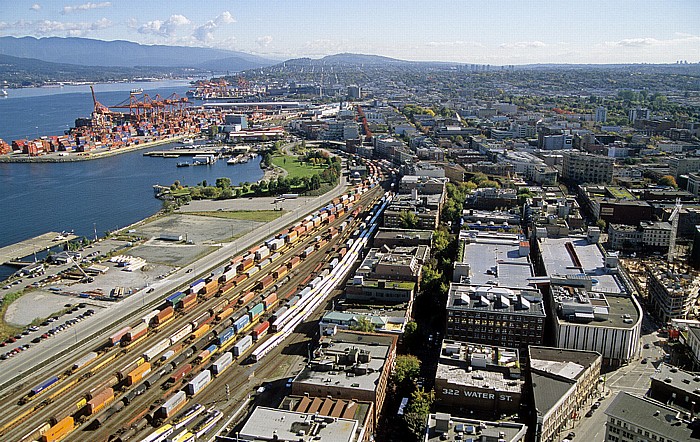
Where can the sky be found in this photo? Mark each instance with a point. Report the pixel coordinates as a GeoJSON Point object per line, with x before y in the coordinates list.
{"type": "Point", "coordinates": [497, 32]}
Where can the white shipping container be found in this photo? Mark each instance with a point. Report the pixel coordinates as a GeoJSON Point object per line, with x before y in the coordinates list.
{"type": "Point", "coordinates": [333, 263]}
{"type": "Point", "coordinates": [157, 349]}
{"type": "Point", "coordinates": [222, 363]}
{"type": "Point", "coordinates": [315, 282]}
{"type": "Point", "coordinates": [230, 274]}
{"type": "Point", "coordinates": [148, 317]}
{"type": "Point", "coordinates": [85, 360]}
{"type": "Point", "coordinates": [198, 382]}
{"type": "Point", "coordinates": [172, 403]}
{"type": "Point", "coordinates": [276, 243]}
{"type": "Point", "coordinates": [167, 355]}
{"type": "Point", "coordinates": [252, 271]}
{"type": "Point", "coordinates": [180, 334]}
{"type": "Point", "coordinates": [197, 286]}
{"type": "Point", "coordinates": [241, 346]}
{"type": "Point", "coordinates": [262, 253]}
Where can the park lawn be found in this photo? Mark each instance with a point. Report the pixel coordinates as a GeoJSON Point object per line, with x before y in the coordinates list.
{"type": "Point", "coordinates": [294, 168]}
{"type": "Point", "coordinates": [245, 215]}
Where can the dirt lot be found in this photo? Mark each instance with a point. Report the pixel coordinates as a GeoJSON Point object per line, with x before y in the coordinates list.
{"type": "Point", "coordinates": [265, 203]}
{"type": "Point", "coordinates": [38, 304]}
{"type": "Point", "coordinates": [199, 230]}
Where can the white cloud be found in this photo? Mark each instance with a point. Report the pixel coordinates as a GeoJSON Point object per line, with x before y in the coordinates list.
{"type": "Point", "coordinates": [523, 45]}
{"type": "Point", "coordinates": [165, 28]}
{"type": "Point", "coordinates": [225, 18]}
{"type": "Point", "coordinates": [35, 7]}
{"type": "Point", "coordinates": [205, 33]}
{"type": "Point", "coordinates": [85, 7]}
{"type": "Point", "coordinates": [635, 42]}
{"type": "Point", "coordinates": [72, 29]}
{"type": "Point", "coordinates": [264, 41]}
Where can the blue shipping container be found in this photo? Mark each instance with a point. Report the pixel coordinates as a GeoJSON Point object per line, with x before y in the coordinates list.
{"type": "Point", "coordinates": [226, 335]}
{"type": "Point", "coordinates": [44, 385]}
{"type": "Point", "coordinates": [240, 323]}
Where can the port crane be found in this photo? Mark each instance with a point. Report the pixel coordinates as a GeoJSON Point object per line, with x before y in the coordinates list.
{"type": "Point", "coordinates": [101, 115]}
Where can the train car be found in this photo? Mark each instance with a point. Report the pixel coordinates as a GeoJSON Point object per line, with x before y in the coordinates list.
{"type": "Point", "coordinates": [293, 262]}
{"type": "Point", "coordinates": [162, 433]}
{"type": "Point", "coordinates": [315, 282]}
{"type": "Point", "coordinates": [148, 317]}
{"type": "Point", "coordinates": [48, 383]}
{"type": "Point", "coordinates": [235, 261]}
{"type": "Point", "coordinates": [180, 373]}
{"type": "Point", "coordinates": [242, 345]}
{"type": "Point", "coordinates": [239, 279]}
{"type": "Point", "coordinates": [188, 302]}
{"type": "Point", "coordinates": [163, 316]}
{"type": "Point", "coordinates": [292, 237]}
{"type": "Point", "coordinates": [246, 298]}
{"type": "Point", "coordinates": [108, 383]}
{"type": "Point", "coordinates": [138, 331]}
{"type": "Point", "coordinates": [201, 319]}
{"type": "Point", "coordinates": [188, 415]}
{"type": "Point", "coordinates": [198, 383]}
{"type": "Point", "coordinates": [252, 271]}
{"type": "Point", "coordinates": [174, 299]}
{"type": "Point", "coordinates": [99, 401]}
{"type": "Point", "coordinates": [199, 332]}
{"type": "Point", "coordinates": [228, 274]}
{"type": "Point", "coordinates": [58, 431]}
{"type": "Point", "coordinates": [85, 360]}
{"type": "Point", "coordinates": [245, 265]}
{"type": "Point", "coordinates": [172, 405]}
{"type": "Point", "coordinates": [276, 244]}
{"type": "Point", "coordinates": [117, 337]}
{"type": "Point", "coordinates": [260, 330]}
{"type": "Point", "coordinates": [264, 263]}
{"type": "Point", "coordinates": [152, 379]}
{"type": "Point", "coordinates": [198, 287]}
{"type": "Point", "coordinates": [270, 300]}
{"type": "Point", "coordinates": [210, 420]}
{"type": "Point", "coordinates": [266, 282]}
{"type": "Point", "coordinates": [226, 336]}
{"type": "Point", "coordinates": [138, 373]}
{"type": "Point", "coordinates": [307, 252]}
{"type": "Point", "coordinates": [224, 314]}
{"type": "Point", "coordinates": [278, 313]}
{"type": "Point", "coordinates": [156, 349]}
{"type": "Point", "coordinates": [280, 272]}
{"type": "Point", "coordinates": [222, 363]}
{"type": "Point", "coordinates": [211, 286]}
{"type": "Point", "coordinates": [240, 323]}
{"type": "Point", "coordinates": [262, 253]}
{"type": "Point", "coordinates": [124, 371]}
{"type": "Point", "coordinates": [206, 354]}
{"type": "Point", "coordinates": [180, 334]}
{"type": "Point", "coordinates": [256, 311]}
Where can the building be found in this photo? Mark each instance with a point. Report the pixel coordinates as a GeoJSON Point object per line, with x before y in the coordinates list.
{"type": "Point", "coordinates": [639, 113]}
{"type": "Point", "coordinates": [676, 388]}
{"type": "Point", "coordinates": [399, 263]}
{"type": "Point", "coordinates": [562, 380]}
{"type": "Point", "coordinates": [443, 426]}
{"type": "Point", "coordinates": [489, 198]}
{"type": "Point", "coordinates": [671, 291]}
{"type": "Point", "coordinates": [481, 377]}
{"type": "Point", "coordinates": [601, 114]}
{"type": "Point", "coordinates": [402, 237]}
{"type": "Point", "coordinates": [587, 168]}
{"type": "Point", "coordinates": [351, 366]}
{"type": "Point", "coordinates": [426, 209]}
{"type": "Point", "coordinates": [591, 306]}
{"type": "Point", "coordinates": [632, 418]}
{"type": "Point", "coordinates": [354, 92]}
{"type": "Point", "coordinates": [495, 315]}
{"type": "Point", "coordinates": [683, 165]}
{"type": "Point", "coordinates": [268, 424]}
{"type": "Point", "coordinates": [384, 322]}
{"type": "Point", "coordinates": [649, 235]}
{"type": "Point", "coordinates": [425, 185]}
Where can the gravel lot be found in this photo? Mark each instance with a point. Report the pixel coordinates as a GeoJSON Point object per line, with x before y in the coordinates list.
{"type": "Point", "coordinates": [263, 203]}
{"type": "Point", "coordinates": [38, 304]}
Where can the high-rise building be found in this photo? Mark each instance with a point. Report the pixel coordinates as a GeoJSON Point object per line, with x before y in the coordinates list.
{"type": "Point", "coordinates": [639, 113]}
{"type": "Point", "coordinates": [601, 114]}
{"type": "Point", "coordinates": [586, 168]}
{"type": "Point", "coordinates": [354, 92]}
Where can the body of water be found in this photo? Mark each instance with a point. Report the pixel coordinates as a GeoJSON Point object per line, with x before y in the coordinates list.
{"type": "Point", "coordinates": [102, 194]}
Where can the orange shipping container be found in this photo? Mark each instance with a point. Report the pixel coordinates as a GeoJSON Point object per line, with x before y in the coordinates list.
{"type": "Point", "coordinates": [200, 332]}
{"type": "Point", "coordinates": [224, 314]}
{"type": "Point", "coordinates": [245, 299]}
{"type": "Point", "coordinates": [100, 401]}
{"type": "Point", "coordinates": [59, 430]}
{"type": "Point", "coordinates": [138, 373]}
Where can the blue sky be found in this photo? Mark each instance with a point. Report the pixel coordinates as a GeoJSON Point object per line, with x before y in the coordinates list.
{"type": "Point", "coordinates": [488, 31]}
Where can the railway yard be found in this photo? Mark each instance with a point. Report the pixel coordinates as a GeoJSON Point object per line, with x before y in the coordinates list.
{"type": "Point", "coordinates": [183, 368]}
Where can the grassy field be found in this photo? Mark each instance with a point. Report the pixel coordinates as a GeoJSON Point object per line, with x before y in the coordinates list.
{"type": "Point", "coordinates": [7, 330]}
{"type": "Point", "coordinates": [245, 215]}
{"type": "Point", "coordinates": [294, 168]}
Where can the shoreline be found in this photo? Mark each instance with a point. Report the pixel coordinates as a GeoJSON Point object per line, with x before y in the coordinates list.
{"type": "Point", "coordinates": [89, 156]}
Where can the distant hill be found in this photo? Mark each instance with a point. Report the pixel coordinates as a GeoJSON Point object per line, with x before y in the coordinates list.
{"type": "Point", "coordinates": [347, 59]}
{"type": "Point", "coordinates": [90, 52]}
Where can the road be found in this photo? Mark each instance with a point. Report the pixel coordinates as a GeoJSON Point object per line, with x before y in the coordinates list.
{"type": "Point", "coordinates": [39, 359]}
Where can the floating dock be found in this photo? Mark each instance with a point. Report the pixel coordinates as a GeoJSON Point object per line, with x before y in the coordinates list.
{"type": "Point", "coordinates": [175, 153]}
{"type": "Point", "coordinates": [17, 251]}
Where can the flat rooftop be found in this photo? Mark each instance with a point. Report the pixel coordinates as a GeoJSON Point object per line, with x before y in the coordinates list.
{"type": "Point", "coordinates": [494, 258]}
{"type": "Point", "coordinates": [266, 423]}
{"type": "Point", "coordinates": [339, 361]}
{"type": "Point", "coordinates": [443, 426]}
{"type": "Point", "coordinates": [676, 378]}
{"type": "Point", "coordinates": [621, 311]}
{"type": "Point", "coordinates": [561, 362]}
{"type": "Point", "coordinates": [559, 260]}
{"type": "Point", "coordinates": [499, 299]}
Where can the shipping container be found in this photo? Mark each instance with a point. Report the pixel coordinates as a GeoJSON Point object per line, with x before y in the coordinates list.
{"type": "Point", "coordinates": [276, 244]}
{"type": "Point", "coordinates": [252, 271]}
{"type": "Point", "coordinates": [307, 252]}
{"type": "Point", "coordinates": [117, 337]}
{"type": "Point", "coordinates": [280, 272]}
{"type": "Point", "coordinates": [146, 319]}
{"type": "Point", "coordinates": [292, 237]}
{"type": "Point", "coordinates": [58, 431]}
{"type": "Point", "coordinates": [264, 263]}
{"type": "Point", "coordinates": [100, 401]}
{"type": "Point", "coordinates": [222, 363]}
{"type": "Point", "coordinates": [201, 319]}
{"type": "Point", "coordinates": [157, 349]}
{"type": "Point", "coordinates": [36, 433]}
{"type": "Point", "coordinates": [122, 372]}
{"type": "Point", "coordinates": [315, 282]}
{"type": "Point", "coordinates": [242, 345]}
{"type": "Point", "coordinates": [211, 286]}
{"type": "Point", "coordinates": [224, 314]}
{"type": "Point", "coordinates": [108, 383]}
{"type": "Point", "coordinates": [82, 362]}
{"type": "Point", "coordinates": [262, 253]}
{"type": "Point", "coordinates": [138, 331]}
{"type": "Point", "coordinates": [180, 334]}
{"type": "Point", "coordinates": [270, 300]}
{"type": "Point", "coordinates": [189, 301]}
{"type": "Point", "coordinates": [239, 279]}
{"type": "Point", "coordinates": [180, 373]}
{"type": "Point", "coordinates": [293, 301]}
{"type": "Point", "coordinates": [245, 265]}
{"type": "Point", "coordinates": [228, 275]}
{"type": "Point", "coordinates": [198, 383]}
{"type": "Point", "coordinates": [260, 330]}
{"type": "Point", "coordinates": [199, 332]}
{"type": "Point", "coordinates": [172, 405]}
{"type": "Point", "coordinates": [43, 386]}
{"type": "Point", "coordinates": [174, 299]}
{"type": "Point", "coordinates": [256, 311]}
{"type": "Point", "coordinates": [198, 287]}
{"type": "Point", "coordinates": [240, 323]}
{"type": "Point", "coordinates": [163, 316]}
{"type": "Point", "coordinates": [246, 298]}
{"type": "Point", "coordinates": [138, 373]}
{"type": "Point", "coordinates": [226, 336]}
{"type": "Point", "coordinates": [235, 261]}
{"type": "Point", "coordinates": [293, 262]}
{"type": "Point", "coordinates": [265, 282]}
{"type": "Point", "coordinates": [206, 354]}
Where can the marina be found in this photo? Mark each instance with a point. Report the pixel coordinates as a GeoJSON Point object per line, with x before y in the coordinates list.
{"type": "Point", "coordinates": [21, 249]}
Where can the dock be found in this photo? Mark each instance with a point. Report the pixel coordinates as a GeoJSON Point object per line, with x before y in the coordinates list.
{"type": "Point", "coordinates": [17, 251]}
{"type": "Point", "coordinates": [174, 153]}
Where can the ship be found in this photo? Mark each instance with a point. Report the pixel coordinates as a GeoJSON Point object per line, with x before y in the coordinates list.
{"type": "Point", "coordinates": [137, 91]}
{"type": "Point", "coordinates": [232, 160]}
{"type": "Point", "coordinates": [183, 164]}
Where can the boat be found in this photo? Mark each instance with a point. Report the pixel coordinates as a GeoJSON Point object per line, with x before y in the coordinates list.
{"type": "Point", "coordinates": [183, 164]}
{"type": "Point", "coordinates": [136, 91]}
{"type": "Point", "coordinates": [3, 93]}
{"type": "Point", "coordinates": [187, 141]}
{"type": "Point", "coordinates": [232, 160]}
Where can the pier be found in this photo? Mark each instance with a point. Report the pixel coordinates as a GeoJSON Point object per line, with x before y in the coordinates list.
{"type": "Point", "coordinates": [15, 252]}
{"type": "Point", "coordinates": [174, 153]}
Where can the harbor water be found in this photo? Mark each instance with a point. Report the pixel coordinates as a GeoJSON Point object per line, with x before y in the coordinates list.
{"type": "Point", "coordinates": [102, 194]}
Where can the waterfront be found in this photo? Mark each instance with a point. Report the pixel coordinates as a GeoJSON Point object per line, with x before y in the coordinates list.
{"type": "Point", "coordinates": [103, 194]}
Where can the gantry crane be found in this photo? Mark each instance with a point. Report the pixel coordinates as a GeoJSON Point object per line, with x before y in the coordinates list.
{"type": "Point", "coordinates": [674, 230]}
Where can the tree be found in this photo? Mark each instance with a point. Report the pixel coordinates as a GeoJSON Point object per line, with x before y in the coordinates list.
{"type": "Point", "coordinates": [418, 410]}
{"type": "Point", "coordinates": [223, 183]}
{"type": "Point", "coordinates": [364, 324]}
{"type": "Point", "coordinates": [267, 159]}
{"type": "Point", "coordinates": [668, 180]}
{"type": "Point", "coordinates": [441, 240]}
{"type": "Point", "coordinates": [408, 220]}
{"type": "Point", "coordinates": [406, 368]}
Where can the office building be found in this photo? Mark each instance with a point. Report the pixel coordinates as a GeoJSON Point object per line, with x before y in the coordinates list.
{"type": "Point", "coordinates": [587, 168]}
{"type": "Point", "coordinates": [444, 426]}
{"type": "Point", "coordinates": [672, 291]}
